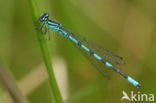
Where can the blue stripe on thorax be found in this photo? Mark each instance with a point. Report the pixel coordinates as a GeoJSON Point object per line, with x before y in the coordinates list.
{"type": "Point", "coordinates": [53, 23]}
{"type": "Point", "coordinates": [55, 28]}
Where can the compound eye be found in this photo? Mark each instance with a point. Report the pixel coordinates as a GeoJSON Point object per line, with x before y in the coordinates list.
{"type": "Point", "coordinates": [46, 15]}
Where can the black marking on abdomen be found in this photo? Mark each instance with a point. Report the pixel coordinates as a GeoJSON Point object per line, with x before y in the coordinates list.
{"type": "Point", "coordinates": [91, 52]}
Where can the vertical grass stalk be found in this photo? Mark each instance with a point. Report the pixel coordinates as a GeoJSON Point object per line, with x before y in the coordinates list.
{"type": "Point", "coordinates": [9, 83]}
{"type": "Point", "coordinates": [46, 56]}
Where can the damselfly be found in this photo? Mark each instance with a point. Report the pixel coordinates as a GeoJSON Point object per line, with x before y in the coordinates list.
{"type": "Point", "coordinates": [93, 52]}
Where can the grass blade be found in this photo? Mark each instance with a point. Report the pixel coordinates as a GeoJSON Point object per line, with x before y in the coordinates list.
{"type": "Point", "coordinates": [46, 56]}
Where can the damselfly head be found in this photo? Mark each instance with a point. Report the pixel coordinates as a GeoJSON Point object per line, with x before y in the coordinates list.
{"type": "Point", "coordinates": [44, 17]}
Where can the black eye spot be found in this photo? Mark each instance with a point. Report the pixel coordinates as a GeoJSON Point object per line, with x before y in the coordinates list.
{"type": "Point", "coordinates": [44, 17]}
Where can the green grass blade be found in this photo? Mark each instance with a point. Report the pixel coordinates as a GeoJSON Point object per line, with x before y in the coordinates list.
{"type": "Point", "coordinates": [46, 56]}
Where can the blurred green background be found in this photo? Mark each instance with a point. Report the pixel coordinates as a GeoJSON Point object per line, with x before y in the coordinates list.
{"type": "Point", "coordinates": [126, 27]}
